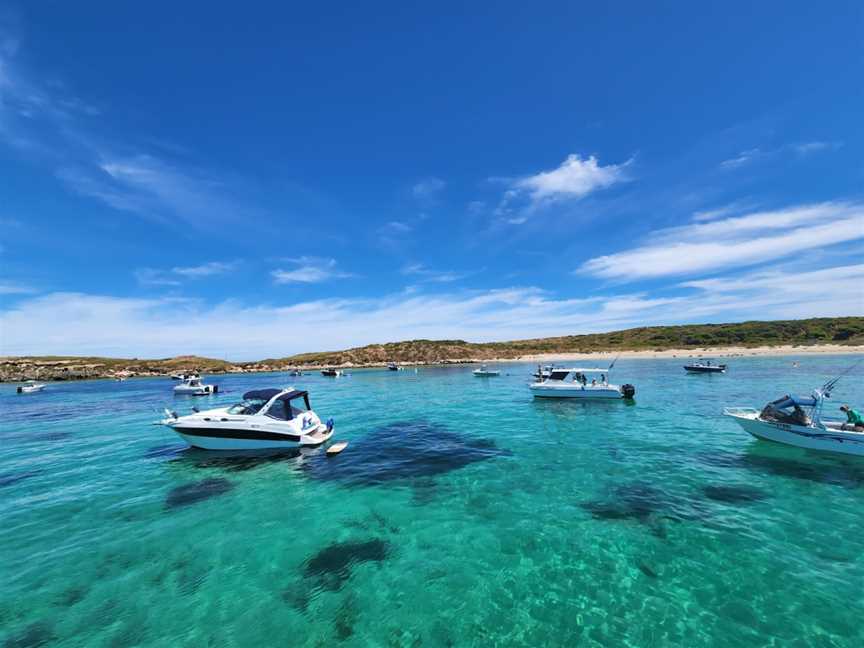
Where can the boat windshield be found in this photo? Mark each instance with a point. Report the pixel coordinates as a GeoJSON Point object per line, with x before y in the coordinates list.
{"type": "Point", "coordinates": [249, 406]}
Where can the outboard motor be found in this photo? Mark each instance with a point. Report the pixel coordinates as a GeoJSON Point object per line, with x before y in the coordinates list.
{"type": "Point", "coordinates": [20, 390]}
{"type": "Point", "coordinates": [628, 391]}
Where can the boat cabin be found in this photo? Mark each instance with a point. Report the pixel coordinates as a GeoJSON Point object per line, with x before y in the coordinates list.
{"type": "Point", "coordinates": [793, 410]}
{"type": "Point", "coordinates": [580, 375]}
{"type": "Point", "coordinates": [280, 404]}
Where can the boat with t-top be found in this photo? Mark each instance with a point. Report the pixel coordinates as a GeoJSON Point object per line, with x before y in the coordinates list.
{"type": "Point", "coordinates": [797, 421]}
{"type": "Point", "coordinates": [193, 386]}
{"type": "Point", "coordinates": [580, 382]}
{"type": "Point", "coordinates": [485, 372]}
{"type": "Point", "coordinates": [264, 419]}
{"type": "Point", "coordinates": [30, 387]}
{"type": "Point", "coordinates": [704, 367]}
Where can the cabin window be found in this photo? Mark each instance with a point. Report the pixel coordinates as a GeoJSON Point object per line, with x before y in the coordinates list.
{"type": "Point", "coordinates": [280, 410]}
{"type": "Point", "coordinates": [299, 405]}
{"type": "Point", "coordinates": [247, 407]}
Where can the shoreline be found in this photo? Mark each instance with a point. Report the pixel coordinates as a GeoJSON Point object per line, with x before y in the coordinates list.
{"type": "Point", "coordinates": [706, 352]}
{"type": "Point", "coordinates": [539, 358]}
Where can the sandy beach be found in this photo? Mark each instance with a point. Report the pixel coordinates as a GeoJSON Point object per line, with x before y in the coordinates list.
{"type": "Point", "coordinates": [710, 352]}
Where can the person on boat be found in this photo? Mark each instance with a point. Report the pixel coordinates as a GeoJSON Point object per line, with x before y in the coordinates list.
{"type": "Point", "coordinates": [854, 420]}
{"type": "Point", "coordinates": [593, 382]}
{"type": "Point", "coordinates": [602, 379]}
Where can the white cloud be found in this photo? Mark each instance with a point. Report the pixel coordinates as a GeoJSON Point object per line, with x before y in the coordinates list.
{"type": "Point", "coordinates": [731, 209]}
{"type": "Point", "coordinates": [14, 288]}
{"type": "Point", "coordinates": [574, 179]}
{"type": "Point", "coordinates": [51, 126]}
{"type": "Point", "coordinates": [743, 158]}
{"type": "Point", "coordinates": [806, 148]}
{"type": "Point", "coordinates": [104, 325]}
{"type": "Point", "coordinates": [172, 277]}
{"type": "Point", "coordinates": [435, 276]}
{"type": "Point", "coordinates": [733, 242]}
{"type": "Point", "coordinates": [205, 269]}
{"type": "Point", "coordinates": [309, 270]}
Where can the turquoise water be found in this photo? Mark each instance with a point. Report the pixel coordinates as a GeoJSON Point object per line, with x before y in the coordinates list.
{"type": "Point", "coordinates": [462, 513]}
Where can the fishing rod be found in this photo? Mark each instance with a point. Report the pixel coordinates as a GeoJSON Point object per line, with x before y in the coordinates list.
{"type": "Point", "coordinates": [613, 363]}
{"type": "Point", "coordinates": [827, 387]}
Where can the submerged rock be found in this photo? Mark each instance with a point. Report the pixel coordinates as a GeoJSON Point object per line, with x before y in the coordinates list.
{"type": "Point", "coordinates": [403, 451]}
{"type": "Point", "coordinates": [193, 492]}
{"type": "Point", "coordinates": [734, 494]}
{"type": "Point", "coordinates": [36, 634]}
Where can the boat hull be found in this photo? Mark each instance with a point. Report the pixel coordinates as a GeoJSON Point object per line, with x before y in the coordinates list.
{"type": "Point", "coordinates": [811, 438]}
{"type": "Point", "coordinates": [239, 439]}
{"type": "Point", "coordinates": [705, 369]}
{"type": "Point", "coordinates": [588, 393]}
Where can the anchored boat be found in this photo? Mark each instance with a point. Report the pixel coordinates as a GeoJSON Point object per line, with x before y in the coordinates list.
{"type": "Point", "coordinates": [705, 367]}
{"type": "Point", "coordinates": [332, 373]}
{"type": "Point", "coordinates": [798, 421]}
{"type": "Point", "coordinates": [30, 387]}
{"type": "Point", "coordinates": [265, 418]}
{"type": "Point", "coordinates": [192, 386]}
{"type": "Point", "coordinates": [575, 383]}
{"type": "Point", "coordinates": [484, 372]}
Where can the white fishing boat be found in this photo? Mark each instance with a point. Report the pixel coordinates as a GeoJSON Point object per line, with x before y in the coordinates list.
{"type": "Point", "coordinates": [30, 387]}
{"type": "Point", "coordinates": [579, 382]}
{"type": "Point", "coordinates": [264, 419]}
{"type": "Point", "coordinates": [392, 366]}
{"type": "Point", "coordinates": [705, 367]}
{"type": "Point", "coordinates": [798, 421]}
{"type": "Point", "coordinates": [193, 386]}
{"type": "Point", "coordinates": [332, 373]}
{"type": "Point", "coordinates": [485, 372]}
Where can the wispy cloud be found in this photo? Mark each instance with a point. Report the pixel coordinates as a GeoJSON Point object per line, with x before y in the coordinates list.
{"type": "Point", "coordinates": [731, 209]}
{"type": "Point", "coordinates": [743, 158]}
{"type": "Point", "coordinates": [733, 242]}
{"type": "Point", "coordinates": [806, 148]}
{"type": "Point", "coordinates": [15, 288]}
{"type": "Point", "coordinates": [574, 179]}
{"type": "Point", "coordinates": [309, 270]}
{"type": "Point", "coordinates": [428, 188]}
{"type": "Point", "coordinates": [173, 277]}
{"type": "Point", "coordinates": [434, 276]}
{"type": "Point", "coordinates": [55, 128]}
{"type": "Point", "coordinates": [99, 324]}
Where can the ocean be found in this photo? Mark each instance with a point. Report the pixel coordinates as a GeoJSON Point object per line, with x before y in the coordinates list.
{"type": "Point", "coordinates": [463, 513]}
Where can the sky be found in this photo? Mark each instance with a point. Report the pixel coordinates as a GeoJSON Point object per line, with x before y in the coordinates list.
{"type": "Point", "coordinates": [257, 180]}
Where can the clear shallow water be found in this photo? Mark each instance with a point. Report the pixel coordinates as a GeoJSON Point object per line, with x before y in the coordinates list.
{"type": "Point", "coordinates": [462, 513]}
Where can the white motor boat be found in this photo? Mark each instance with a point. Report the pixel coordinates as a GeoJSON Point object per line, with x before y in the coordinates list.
{"type": "Point", "coordinates": [705, 367]}
{"type": "Point", "coordinates": [332, 373]}
{"type": "Point", "coordinates": [798, 421]}
{"type": "Point", "coordinates": [484, 372]}
{"type": "Point", "coordinates": [392, 366]}
{"type": "Point", "coordinates": [574, 383]}
{"type": "Point", "coordinates": [30, 387]}
{"type": "Point", "coordinates": [266, 418]}
{"type": "Point", "coordinates": [543, 371]}
{"type": "Point", "coordinates": [192, 386]}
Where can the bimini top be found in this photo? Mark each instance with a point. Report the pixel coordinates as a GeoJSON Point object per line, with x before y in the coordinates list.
{"type": "Point", "coordinates": [267, 394]}
{"type": "Point", "coordinates": [791, 401]}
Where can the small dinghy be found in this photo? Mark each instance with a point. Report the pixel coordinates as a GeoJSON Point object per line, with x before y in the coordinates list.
{"type": "Point", "coordinates": [705, 367]}
{"type": "Point", "coordinates": [336, 448]}
{"type": "Point", "coordinates": [192, 386]}
{"type": "Point", "coordinates": [798, 421]}
{"type": "Point", "coordinates": [30, 387]}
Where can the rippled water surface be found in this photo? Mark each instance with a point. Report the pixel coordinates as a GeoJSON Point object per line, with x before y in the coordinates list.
{"type": "Point", "coordinates": [463, 512]}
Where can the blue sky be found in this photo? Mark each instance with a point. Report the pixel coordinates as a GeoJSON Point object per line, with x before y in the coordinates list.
{"type": "Point", "coordinates": [277, 178]}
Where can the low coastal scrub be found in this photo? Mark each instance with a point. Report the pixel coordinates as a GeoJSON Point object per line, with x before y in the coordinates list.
{"type": "Point", "coordinates": [809, 332]}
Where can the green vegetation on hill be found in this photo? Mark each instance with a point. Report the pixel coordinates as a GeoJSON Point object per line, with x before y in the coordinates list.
{"type": "Point", "coordinates": [837, 330]}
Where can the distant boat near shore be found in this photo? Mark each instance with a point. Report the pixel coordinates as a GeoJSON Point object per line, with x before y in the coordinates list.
{"type": "Point", "coordinates": [705, 367]}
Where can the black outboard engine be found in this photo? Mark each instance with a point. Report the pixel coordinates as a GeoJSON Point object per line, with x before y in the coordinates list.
{"type": "Point", "coordinates": [628, 391]}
